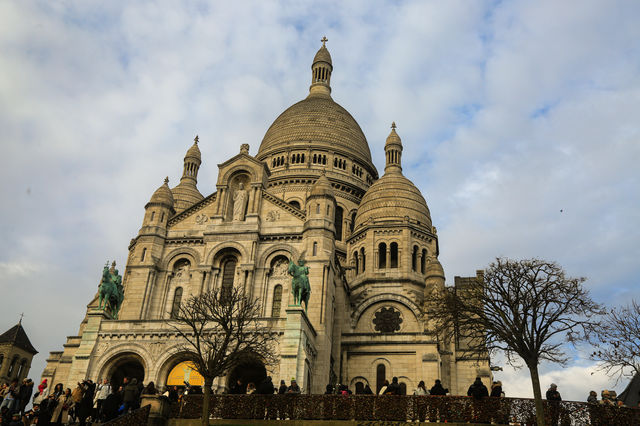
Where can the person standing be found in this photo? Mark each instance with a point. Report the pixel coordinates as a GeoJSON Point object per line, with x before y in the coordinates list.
{"type": "Point", "coordinates": [592, 398]}
{"type": "Point", "coordinates": [553, 394]}
{"type": "Point", "coordinates": [24, 395]}
{"type": "Point", "coordinates": [393, 388]}
{"type": "Point", "coordinates": [477, 389]}
{"type": "Point", "coordinates": [130, 395]}
{"type": "Point", "coordinates": [294, 388]}
{"type": "Point", "coordinates": [61, 413]}
{"type": "Point", "coordinates": [283, 388]}
{"type": "Point", "coordinates": [104, 390]}
{"type": "Point", "coordinates": [437, 389]}
{"type": "Point", "coordinates": [496, 389]}
{"type": "Point", "coordinates": [421, 389]}
{"type": "Point", "coordinates": [11, 396]}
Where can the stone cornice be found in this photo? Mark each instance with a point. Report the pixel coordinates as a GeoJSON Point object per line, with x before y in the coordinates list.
{"type": "Point", "coordinates": [194, 208]}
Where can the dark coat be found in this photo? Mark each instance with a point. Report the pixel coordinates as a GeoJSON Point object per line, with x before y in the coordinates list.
{"type": "Point", "coordinates": [110, 406]}
{"type": "Point", "coordinates": [393, 389]}
{"type": "Point", "coordinates": [553, 395]}
{"type": "Point", "coordinates": [265, 387]}
{"type": "Point", "coordinates": [282, 390]}
{"type": "Point", "coordinates": [131, 393]}
{"type": "Point", "coordinates": [478, 390]}
{"type": "Point", "coordinates": [496, 391]}
{"type": "Point", "coordinates": [437, 389]}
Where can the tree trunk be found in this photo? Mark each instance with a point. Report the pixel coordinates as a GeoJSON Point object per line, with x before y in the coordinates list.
{"type": "Point", "coordinates": [208, 382]}
{"type": "Point", "coordinates": [537, 394]}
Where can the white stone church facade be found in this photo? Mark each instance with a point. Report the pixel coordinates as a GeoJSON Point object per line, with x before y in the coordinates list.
{"type": "Point", "coordinates": [311, 190]}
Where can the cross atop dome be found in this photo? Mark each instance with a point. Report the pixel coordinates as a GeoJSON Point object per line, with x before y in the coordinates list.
{"type": "Point", "coordinates": [324, 40]}
{"type": "Point", "coordinates": [393, 125]}
{"type": "Point", "coordinates": [196, 139]}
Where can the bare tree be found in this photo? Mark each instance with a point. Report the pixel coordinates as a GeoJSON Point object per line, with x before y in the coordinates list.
{"type": "Point", "coordinates": [618, 341]}
{"type": "Point", "coordinates": [220, 329]}
{"type": "Point", "coordinates": [523, 308]}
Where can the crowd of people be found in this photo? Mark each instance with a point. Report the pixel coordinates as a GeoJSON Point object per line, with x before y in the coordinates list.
{"type": "Point", "coordinates": [87, 403]}
{"type": "Point", "coordinates": [92, 402]}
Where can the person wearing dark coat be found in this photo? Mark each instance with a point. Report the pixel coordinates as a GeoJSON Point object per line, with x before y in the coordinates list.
{"type": "Point", "coordinates": [237, 388]}
{"type": "Point", "coordinates": [131, 395]}
{"type": "Point", "coordinates": [85, 406]}
{"type": "Point", "coordinates": [496, 390]}
{"type": "Point", "coordinates": [478, 390]}
{"type": "Point", "coordinates": [24, 395]}
{"type": "Point", "coordinates": [553, 394]}
{"type": "Point", "coordinates": [437, 389]}
{"type": "Point", "coordinates": [393, 388]}
{"type": "Point", "coordinates": [173, 394]}
{"type": "Point", "coordinates": [265, 387]}
{"type": "Point", "coordinates": [283, 388]}
{"type": "Point", "coordinates": [46, 410]}
{"type": "Point", "coordinates": [329, 389]}
{"type": "Point", "coordinates": [110, 407]}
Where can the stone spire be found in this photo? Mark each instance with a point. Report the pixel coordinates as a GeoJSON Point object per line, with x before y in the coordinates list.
{"type": "Point", "coordinates": [186, 192]}
{"type": "Point", "coordinates": [393, 151]}
{"type": "Point", "coordinates": [192, 162]}
{"type": "Point", "coordinates": [321, 72]}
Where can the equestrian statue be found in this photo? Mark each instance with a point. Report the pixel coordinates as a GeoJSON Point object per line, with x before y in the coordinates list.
{"type": "Point", "coordinates": [300, 282]}
{"type": "Point", "coordinates": [110, 290]}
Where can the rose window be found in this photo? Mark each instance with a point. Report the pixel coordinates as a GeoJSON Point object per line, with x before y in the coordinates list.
{"type": "Point", "coordinates": [387, 320]}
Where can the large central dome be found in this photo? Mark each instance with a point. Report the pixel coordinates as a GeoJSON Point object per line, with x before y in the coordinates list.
{"type": "Point", "coordinates": [316, 122]}
{"type": "Point", "coordinates": [318, 125]}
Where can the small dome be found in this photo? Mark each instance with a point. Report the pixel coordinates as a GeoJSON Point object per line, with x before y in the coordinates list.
{"type": "Point", "coordinates": [323, 56]}
{"type": "Point", "coordinates": [163, 195]}
{"type": "Point", "coordinates": [434, 268]}
{"type": "Point", "coordinates": [186, 194]}
{"type": "Point", "coordinates": [322, 188]}
{"type": "Point", "coordinates": [393, 138]}
{"type": "Point", "coordinates": [194, 151]}
{"type": "Point", "coordinates": [393, 197]}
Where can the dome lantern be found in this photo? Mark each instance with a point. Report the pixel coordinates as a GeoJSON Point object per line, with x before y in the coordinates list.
{"type": "Point", "coordinates": [393, 151]}
{"type": "Point", "coordinates": [321, 72]}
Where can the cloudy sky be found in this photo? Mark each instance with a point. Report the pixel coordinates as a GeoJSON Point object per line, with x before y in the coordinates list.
{"type": "Point", "coordinates": [520, 122]}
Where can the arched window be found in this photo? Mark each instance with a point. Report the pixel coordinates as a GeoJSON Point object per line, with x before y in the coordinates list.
{"type": "Point", "coordinates": [363, 259]}
{"type": "Point", "coordinates": [423, 260]}
{"type": "Point", "coordinates": [403, 388]}
{"type": "Point", "coordinates": [162, 218]}
{"type": "Point", "coordinates": [353, 221]}
{"type": "Point", "coordinates": [359, 388]}
{"type": "Point", "coordinates": [382, 256]}
{"type": "Point", "coordinates": [393, 257]}
{"type": "Point", "coordinates": [177, 300]}
{"type": "Point", "coordinates": [381, 372]}
{"type": "Point", "coordinates": [153, 214]}
{"type": "Point", "coordinates": [12, 367]}
{"type": "Point", "coordinates": [295, 204]}
{"type": "Point", "coordinates": [143, 255]}
{"type": "Point", "coordinates": [228, 273]}
{"type": "Point", "coordinates": [355, 262]}
{"type": "Point", "coordinates": [315, 248]}
{"type": "Point", "coordinates": [277, 301]}
{"type": "Point", "coordinates": [21, 368]}
{"type": "Point", "coordinates": [338, 222]}
{"type": "Point", "coordinates": [414, 259]}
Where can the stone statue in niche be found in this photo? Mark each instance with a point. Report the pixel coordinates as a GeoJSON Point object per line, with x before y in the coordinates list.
{"type": "Point", "coordinates": [239, 203]}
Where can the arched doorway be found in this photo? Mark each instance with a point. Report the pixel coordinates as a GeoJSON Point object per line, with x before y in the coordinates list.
{"type": "Point", "coordinates": [127, 365]}
{"type": "Point", "coordinates": [249, 371]}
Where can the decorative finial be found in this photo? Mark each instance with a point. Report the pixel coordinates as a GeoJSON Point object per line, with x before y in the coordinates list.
{"type": "Point", "coordinates": [244, 148]}
{"type": "Point", "coordinates": [393, 125]}
{"type": "Point", "coordinates": [166, 180]}
{"type": "Point", "coordinates": [196, 139]}
{"type": "Point", "coordinates": [21, 315]}
{"type": "Point", "coordinates": [324, 40]}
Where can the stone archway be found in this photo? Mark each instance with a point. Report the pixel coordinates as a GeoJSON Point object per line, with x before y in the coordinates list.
{"type": "Point", "coordinates": [125, 365]}
{"type": "Point", "coordinates": [249, 371]}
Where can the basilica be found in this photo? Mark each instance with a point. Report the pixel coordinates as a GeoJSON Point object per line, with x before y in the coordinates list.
{"type": "Point", "coordinates": [310, 192]}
